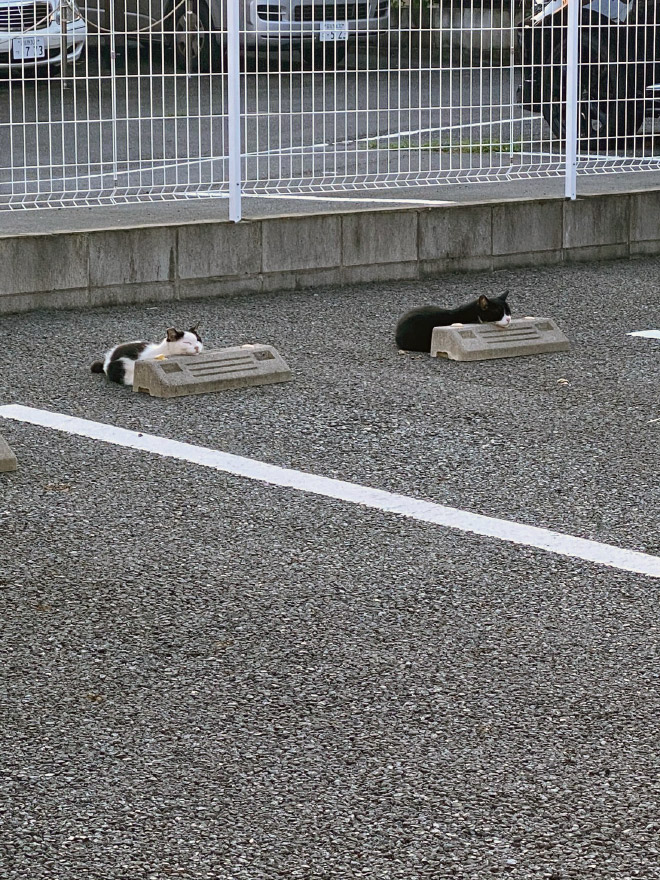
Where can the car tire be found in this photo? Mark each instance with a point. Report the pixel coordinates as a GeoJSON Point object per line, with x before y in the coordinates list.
{"type": "Point", "coordinates": [554, 112]}
{"type": "Point", "coordinates": [609, 112]}
{"type": "Point", "coordinates": [195, 47]}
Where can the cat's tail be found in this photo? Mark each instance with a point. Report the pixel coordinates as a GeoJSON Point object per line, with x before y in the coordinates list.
{"type": "Point", "coordinates": [97, 367]}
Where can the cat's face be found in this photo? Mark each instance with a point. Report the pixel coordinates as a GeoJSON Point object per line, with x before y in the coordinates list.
{"type": "Point", "coordinates": [495, 310]}
{"type": "Point", "coordinates": [184, 341]}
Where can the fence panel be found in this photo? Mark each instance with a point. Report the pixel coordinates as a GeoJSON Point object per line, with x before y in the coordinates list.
{"type": "Point", "coordinates": [618, 52]}
{"type": "Point", "coordinates": [134, 110]}
{"type": "Point", "coordinates": [400, 96]}
{"type": "Point", "coordinates": [331, 95]}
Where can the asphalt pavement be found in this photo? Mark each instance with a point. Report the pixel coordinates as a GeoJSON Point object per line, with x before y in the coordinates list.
{"type": "Point", "coordinates": [207, 677]}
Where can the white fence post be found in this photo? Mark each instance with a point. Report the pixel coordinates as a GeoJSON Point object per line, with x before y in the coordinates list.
{"type": "Point", "coordinates": [234, 109]}
{"type": "Point", "coordinates": [113, 87]}
{"type": "Point", "coordinates": [572, 84]}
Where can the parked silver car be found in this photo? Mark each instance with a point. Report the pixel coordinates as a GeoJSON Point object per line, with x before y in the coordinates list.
{"type": "Point", "coordinates": [196, 29]}
{"type": "Point", "coordinates": [31, 35]}
{"type": "Point", "coordinates": [312, 23]}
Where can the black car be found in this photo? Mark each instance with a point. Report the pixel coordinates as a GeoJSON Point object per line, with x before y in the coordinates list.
{"type": "Point", "coordinates": [619, 67]}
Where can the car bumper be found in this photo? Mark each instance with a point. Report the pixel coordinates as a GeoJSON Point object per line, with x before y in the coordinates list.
{"type": "Point", "coordinates": [268, 24]}
{"type": "Point", "coordinates": [51, 38]}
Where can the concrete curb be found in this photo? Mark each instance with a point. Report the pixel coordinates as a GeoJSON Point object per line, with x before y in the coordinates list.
{"type": "Point", "coordinates": [7, 458]}
{"type": "Point", "coordinates": [214, 258]}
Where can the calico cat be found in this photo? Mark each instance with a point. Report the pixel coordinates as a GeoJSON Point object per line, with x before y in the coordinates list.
{"type": "Point", "coordinates": [415, 328]}
{"type": "Point", "coordinates": [119, 362]}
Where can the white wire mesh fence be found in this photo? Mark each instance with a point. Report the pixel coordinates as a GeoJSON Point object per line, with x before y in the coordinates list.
{"type": "Point", "coordinates": [110, 101]}
{"type": "Point", "coordinates": [413, 97]}
{"type": "Point", "coordinates": [615, 49]}
{"type": "Point", "coordinates": [133, 110]}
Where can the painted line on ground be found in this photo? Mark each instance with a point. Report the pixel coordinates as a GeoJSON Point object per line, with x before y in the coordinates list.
{"type": "Point", "coordinates": [327, 197]}
{"type": "Point", "coordinates": [646, 334]}
{"type": "Point", "coordinates": [388, 502]}
{"type": "Point", "coordinates": [459, 126]}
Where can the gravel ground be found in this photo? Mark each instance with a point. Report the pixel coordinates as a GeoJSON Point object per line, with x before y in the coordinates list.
{"type": "Point", "coordinates": [204, 677]}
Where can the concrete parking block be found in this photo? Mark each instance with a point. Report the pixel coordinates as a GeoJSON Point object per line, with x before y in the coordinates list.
{"type": "Point", "coordinates": [7, 458]}
{"type": "Point", "coordinates": [221, 370]}
{"type": "Point", "coordinates": [377, 237]}
{"type": "Point", "coordinates": [477, 342]}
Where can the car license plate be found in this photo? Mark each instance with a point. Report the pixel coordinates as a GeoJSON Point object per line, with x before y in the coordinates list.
{"type": "Point", "coordinates": [28, 47]}
{"type": "Point", "coordinates": [330, 31]}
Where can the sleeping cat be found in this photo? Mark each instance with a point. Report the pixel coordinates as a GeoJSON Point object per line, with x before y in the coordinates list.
{"type": "Point", "coordinates": [119, 362]}
{"type": "Point", "coordinates": [415, 328]}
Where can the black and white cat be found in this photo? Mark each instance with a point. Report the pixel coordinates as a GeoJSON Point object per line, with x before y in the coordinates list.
{"type": "Point", "coordinates": [415, 328]}
{"type": "Point", "coordinates": [119, 363]}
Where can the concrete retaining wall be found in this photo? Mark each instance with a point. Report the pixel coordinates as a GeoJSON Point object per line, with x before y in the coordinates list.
{"type": "Point", "coordinates": [186, 260]}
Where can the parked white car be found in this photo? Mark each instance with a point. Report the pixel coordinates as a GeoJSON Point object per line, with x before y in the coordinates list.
{"type": "Point", "coordinates": [31, 35]}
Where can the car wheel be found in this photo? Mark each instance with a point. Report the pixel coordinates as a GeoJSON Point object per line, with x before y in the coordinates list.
{"type": "Point", "coordinates": [554, 112]}
{"type": "Point", "coordinates": [555, 117]}
{"type": "Point", "coordinates": [609, 113]}
{"type": "Point", "coordinates": [195, 47]}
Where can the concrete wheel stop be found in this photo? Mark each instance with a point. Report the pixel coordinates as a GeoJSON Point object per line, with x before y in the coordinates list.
{"type": "Point", "coordinates": [476, 342]}
{"type": "Point", "coordinates": [7, 458]}
{"type": "Point", "coordinates": [221, 369]}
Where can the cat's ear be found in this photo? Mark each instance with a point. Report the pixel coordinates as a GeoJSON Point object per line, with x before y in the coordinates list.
{"type": "Point", "coordinates": [173, 334]}
{"type": "Point", "coordinates": [504, 295]}
{"type": "Point", "coordinates": [483, 302]}
{"type": "Point", "coordinates": [195, 328]}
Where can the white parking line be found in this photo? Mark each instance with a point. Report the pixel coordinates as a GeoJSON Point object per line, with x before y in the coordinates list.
{"type": "Point", "coordinates": [646, 334]}
{"type": "Point", "coordinates": [389, 502]}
